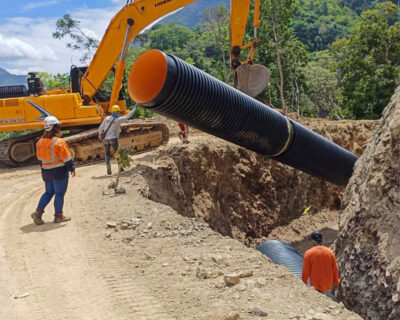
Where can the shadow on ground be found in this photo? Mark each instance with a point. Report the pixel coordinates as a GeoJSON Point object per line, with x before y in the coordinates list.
{"type": "Point", "coordinates": [29, 228]}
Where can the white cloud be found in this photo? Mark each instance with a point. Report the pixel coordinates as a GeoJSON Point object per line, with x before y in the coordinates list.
{"type": "Point", "coordinates": [90, 33]}
{"type": "Point", "coordinates": [39, 4]}
{"type": "Point", "coordinates": [14, 48]}
{"type": "Point", "coordinates": [26, 44]}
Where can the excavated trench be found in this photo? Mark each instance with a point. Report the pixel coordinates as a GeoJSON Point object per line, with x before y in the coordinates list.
{"type": "Point", "coordinates": [238, 193]}
{"type": "Point", "coordinates": [244, 195]}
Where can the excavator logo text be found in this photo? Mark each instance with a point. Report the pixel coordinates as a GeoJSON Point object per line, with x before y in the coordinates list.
{"type": "Point", "coordinates": [162, 2]}
{"type": "Point", "coordinates": [43, 113]}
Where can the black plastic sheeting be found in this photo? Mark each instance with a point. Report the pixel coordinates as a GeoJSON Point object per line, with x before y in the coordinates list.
{"type": "Point", "coordinates": [284, 254]}
{"type": "Point", "coordinates": [196, 98]}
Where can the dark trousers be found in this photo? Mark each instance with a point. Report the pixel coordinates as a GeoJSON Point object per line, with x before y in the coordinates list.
{"type": "Point", "coordinates": [57, 188]}
{"type": "Point", "coordinates": [107, 147]}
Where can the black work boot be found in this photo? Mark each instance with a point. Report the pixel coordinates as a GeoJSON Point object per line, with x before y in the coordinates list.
{"type": "Point", "coordinates": [37, 217]}
{"type": "Point", "coordinates": [109, 170]}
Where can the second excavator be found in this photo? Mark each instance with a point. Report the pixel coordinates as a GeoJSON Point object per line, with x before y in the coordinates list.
{"type": "Point", "coordinates": [83, 107]}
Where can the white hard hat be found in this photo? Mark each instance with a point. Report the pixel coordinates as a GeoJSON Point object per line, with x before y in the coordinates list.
{"type": "Point", "coordinates": [49, 122]}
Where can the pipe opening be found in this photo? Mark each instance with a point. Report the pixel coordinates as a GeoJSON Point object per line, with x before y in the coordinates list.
{"type": "Point", "coordinates": [147, 76]}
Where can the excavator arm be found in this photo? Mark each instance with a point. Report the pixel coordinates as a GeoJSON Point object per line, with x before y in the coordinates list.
{"type": "Point", "coordinates": [248, 77]}
{"type": "Point", "coordinates": [134, 17]}
{"type": "Point", "coordinates": [124, 26]}
{"type": "Point", "coordinates": [239, 14]}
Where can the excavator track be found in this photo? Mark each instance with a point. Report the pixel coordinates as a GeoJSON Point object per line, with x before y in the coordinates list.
{"type": "Point", "coordinates": [141, 135]}
{"type": "Point", "coordinates": [19, 151]}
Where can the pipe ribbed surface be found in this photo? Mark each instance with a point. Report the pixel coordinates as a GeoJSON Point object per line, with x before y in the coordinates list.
{"type": "Point", "coordinates": [284, 254]}
{"type": "Point", "coordinates": [171, 87]}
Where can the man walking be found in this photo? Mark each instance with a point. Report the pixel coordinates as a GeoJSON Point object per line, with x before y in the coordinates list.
{"type": "Point", "coordinates": [320, 266]}
{"type": "Point", "coordinates": [109, 131]}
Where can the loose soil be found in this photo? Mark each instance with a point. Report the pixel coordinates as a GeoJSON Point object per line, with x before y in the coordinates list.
{"type": "Point", "coordinates": [144, 255]}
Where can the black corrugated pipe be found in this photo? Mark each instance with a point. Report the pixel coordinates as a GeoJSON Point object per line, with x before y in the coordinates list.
{"type": "Point", "coordinates": [171, 87]}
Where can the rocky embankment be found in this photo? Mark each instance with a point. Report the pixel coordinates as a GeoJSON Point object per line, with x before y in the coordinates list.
{"type": "Point", "coordinates": [368, 248]}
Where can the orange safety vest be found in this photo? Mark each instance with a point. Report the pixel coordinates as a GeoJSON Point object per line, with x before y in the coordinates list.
{"type": "Point", "coordinates": [53, 152]}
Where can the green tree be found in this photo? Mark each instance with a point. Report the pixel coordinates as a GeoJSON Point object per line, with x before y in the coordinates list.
{"type": "Point", "coordinates": [321, 85]}
{"type": "Point", "coordinates": [361, 5]}
{"type": "Point", "coordinates": [170, 37]}
{"type": "Point", "coordinates": [54, 81]}
{"type": "Point", "coordinates": [285, 58]}
{"type": "Point", "coordinates": [277, 15]}
{"type": "Point", "coordinates": [68, 27]}
{"type": "Point", "coordinates": [368, 62]}
{"type": "Point", "coordinates": [295, 60]}
{"type": "Point", "coordinates": [216, 26]}
{"type": "Point", "coordinates": [317, 26]}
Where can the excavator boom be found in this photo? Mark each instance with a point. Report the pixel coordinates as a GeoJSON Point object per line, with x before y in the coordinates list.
{"type": "Point", "coordinates": [134, 17]}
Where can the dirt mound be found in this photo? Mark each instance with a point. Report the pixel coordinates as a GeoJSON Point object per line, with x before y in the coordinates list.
{"type": "Point", "coordinates": [298, 231]}
{"type": "Point", "coordinates": [240, 193]}
{"type": "Point", "coordinates": [369, 244]}
{"type": "Point", "coordinates": [351, 135]}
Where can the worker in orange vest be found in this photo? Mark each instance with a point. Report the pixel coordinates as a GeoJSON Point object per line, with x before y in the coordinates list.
{"type": "Point", "coordinates": [56, 165]}
{"type": "Point", "coordinates": [319, 265]}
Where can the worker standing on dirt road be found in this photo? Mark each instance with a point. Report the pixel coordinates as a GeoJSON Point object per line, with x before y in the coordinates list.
{"type": "Point", "coordinates": [109, 131]}
{"type": "Point", "coordinates": [320, 266]}
{"type": "Point", "coordinates": [57, 162]}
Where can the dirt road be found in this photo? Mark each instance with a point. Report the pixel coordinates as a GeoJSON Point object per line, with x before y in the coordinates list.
{"type": "Point", "coordinates": [67, 272]}
{"type": "Point", "coordinates": [155, 264]}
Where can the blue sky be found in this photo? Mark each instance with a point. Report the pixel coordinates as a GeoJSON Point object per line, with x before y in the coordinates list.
{"type": "Point", "coordinates": [48, 8]}
{"type": "Point", "coordinates": [26, 28]}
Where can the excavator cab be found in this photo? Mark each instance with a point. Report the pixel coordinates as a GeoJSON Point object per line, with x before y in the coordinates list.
{"type": "Point", "coordinates": [76, 75]}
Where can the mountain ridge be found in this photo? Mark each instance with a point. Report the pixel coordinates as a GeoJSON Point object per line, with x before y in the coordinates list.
{"type": "Point", "coordinates": [8, 79]}
{"type": "Point", "coordinates": [191, 15]}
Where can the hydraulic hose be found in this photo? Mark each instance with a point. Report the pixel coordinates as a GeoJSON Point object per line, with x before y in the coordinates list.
{"type": "Point", "coordinates": [169, 86]}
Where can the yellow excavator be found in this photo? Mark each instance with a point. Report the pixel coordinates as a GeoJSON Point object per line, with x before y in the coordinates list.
{"type": "Point", "coordinates": [83, 107]}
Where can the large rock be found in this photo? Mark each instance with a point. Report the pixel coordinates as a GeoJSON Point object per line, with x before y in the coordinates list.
{"type": "Point", "coordinates": [368, 247]}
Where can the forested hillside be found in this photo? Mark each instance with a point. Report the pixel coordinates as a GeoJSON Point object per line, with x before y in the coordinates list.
{"type": "Point", "coordinates": [192, 15]}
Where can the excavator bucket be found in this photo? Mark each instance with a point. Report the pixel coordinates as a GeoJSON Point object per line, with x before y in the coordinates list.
{"type": "Point", "coordinates": [252, 79]}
